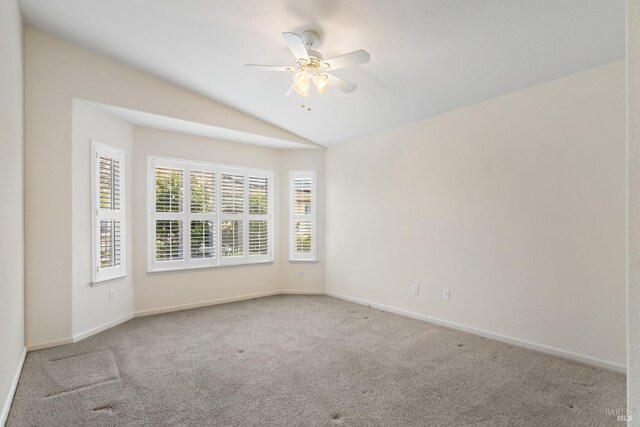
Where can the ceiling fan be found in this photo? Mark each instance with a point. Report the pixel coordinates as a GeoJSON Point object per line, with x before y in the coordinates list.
{"type": "Point", "coordinates": [311, 67]}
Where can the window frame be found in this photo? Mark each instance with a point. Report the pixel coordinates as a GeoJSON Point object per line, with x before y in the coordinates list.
{"type": "Point", "coordinates": [313, 217]}
{"type": "Point", "coordinates": [101, 275]}
{"type": "Point", "coordinates": [186, 216]}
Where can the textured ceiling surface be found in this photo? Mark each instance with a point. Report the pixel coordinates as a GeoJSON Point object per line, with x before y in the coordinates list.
{"type": "Point", "coordinates": [427, 56]}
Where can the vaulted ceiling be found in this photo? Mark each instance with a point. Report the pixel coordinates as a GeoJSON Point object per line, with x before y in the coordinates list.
{"type": "Point", "coordinates": [427, 56]}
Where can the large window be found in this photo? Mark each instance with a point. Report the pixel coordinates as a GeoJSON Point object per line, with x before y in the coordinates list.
{"type": "Point", "coordinates": [108, 212]}
{"type": "Point", "coordinates": [302, 216]}
{"type": "Point", "coordinates": [207, 215]}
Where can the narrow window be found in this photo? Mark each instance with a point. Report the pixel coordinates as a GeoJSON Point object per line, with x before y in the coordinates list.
{"type": "Point", "coordinates": [302, 216]}
{"type": "Point", "coordinates": [108, 212]}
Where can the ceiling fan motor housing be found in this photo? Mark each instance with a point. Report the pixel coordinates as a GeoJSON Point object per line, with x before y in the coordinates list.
{"type": "Point", "coordinates": [310, 38]}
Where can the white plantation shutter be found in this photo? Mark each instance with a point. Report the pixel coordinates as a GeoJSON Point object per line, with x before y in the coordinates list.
{"type": "Point", "coordinates": [232, 191]}
{"type": "Point", "coordinates": [202, 217]}
{"type": "Point", "coordinates": [168, 215]}
{"type": "Point", "coordinates": [232, 238]}
{"type": "Point", "coordinates": [259, 214]}
{"type": "Point", "coordinates": [258, 237]}
{"type": "Point", "coordinates": [205, 215]}
{"type": "Point", "coordinates": [108, 208]}
{"type": "Point", "coordinates": [302, 216]}
{"type": "Point", "coordinates": [232, 204]}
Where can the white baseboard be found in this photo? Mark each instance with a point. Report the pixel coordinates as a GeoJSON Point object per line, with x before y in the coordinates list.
{"type": "Point", "coordinates": [47, 344]}
{"type": "Point", "coordinates": [171, 308]}
{"type": "Point", "coordinates": [488, 334]}
{"type": "Point", "coordinates": [12, 389]}
{"type": "Point", "coordinates": [103, 327]}
{"type": "Point", "coordinates": [301, 292]}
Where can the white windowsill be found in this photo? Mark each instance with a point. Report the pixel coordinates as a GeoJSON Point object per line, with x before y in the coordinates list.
{"type": "Point", "coordinates": [106, 281]}
{"type": "Point", "coordinates": [204, 267]}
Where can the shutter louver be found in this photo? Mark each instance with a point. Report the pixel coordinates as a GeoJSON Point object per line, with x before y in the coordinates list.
{"type": "Point", "coordinates": [232, 243]}
{"type": "Point", "coordinates": [169, 241]}
{"type": "Point", "coordinates": [302, 236]}
{"type": "Point", "coordinates": [258, 195]}
{"type": "Point", "coordinates": [258, 237]}
{"type": "Point", "coordinates": [302, 196]}
{"type": "Point", "coordinates": [232, 193]}
{"type": "Point", "coordinates": [106, 244]}
{"type": "Point", "coordinates": [169, 190]}
{"type": "Point", "coordinates": [109, 183]}
{"type": "Point", "coordinates": [202, 191]}
{"type": "Point", "coordinates": [203, 239]}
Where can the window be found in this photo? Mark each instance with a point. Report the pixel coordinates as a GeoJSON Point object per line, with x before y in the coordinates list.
{"type": "Point", "coordinates": [302, 216]}
{"type": "Point", "coordinates": [107, 198]}
{"type": "Point", "coordinates": [207, 215]}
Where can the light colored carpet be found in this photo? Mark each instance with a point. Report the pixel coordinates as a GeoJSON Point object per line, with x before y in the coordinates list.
{"type": "Point", "coordinates": [304, 361]}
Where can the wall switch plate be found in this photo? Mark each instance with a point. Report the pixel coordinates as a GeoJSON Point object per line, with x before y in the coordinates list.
{"type": "Point", "coordinates": [445, 294]}
{"type": "Point", "coordinates": [112, 294]}
{"type": "Point", "coordinates": [415, 289]}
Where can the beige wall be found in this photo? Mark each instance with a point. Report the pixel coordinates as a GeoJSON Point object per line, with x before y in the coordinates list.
{"type": "Point", "coordinates": [517, 205]}
{"type": "Point", "coordinates": [57, 72]}
{"type": "Point", "coordinates": [11, 208]}
{"type": "Point", "coordinates": [633, 224]}
{"type": "Point", "coordinates": [92, 309]}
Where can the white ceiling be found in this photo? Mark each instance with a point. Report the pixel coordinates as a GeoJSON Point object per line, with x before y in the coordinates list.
{"type": "Point", "coordinates": [427, 56]}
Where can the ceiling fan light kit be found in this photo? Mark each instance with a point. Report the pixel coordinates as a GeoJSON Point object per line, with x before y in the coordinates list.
{"type": "Point", "coordinates": [311, 67]}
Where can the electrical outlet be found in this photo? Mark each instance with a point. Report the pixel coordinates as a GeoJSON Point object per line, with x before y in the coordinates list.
{"type": "Point", "coordinates": [112, 294]}
{"type": "Point", "coordinates": [300, 274]}
{"type": "Point", "coordinates": [415, 289]}
{"type": "Point", "coordinates": [445, 294]}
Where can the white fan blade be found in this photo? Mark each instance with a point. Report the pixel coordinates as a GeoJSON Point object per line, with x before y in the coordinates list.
{"type": "Point", "coordinates": [348, 59]}
{"type": "Point", "coordinates": [296, 44]}
{"type": "Point", "coordinates": [291, 90]}
{"type": "Point", "coordinates": [341, 84]}
{"type": "Point", "coordinates": [269, 67]}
